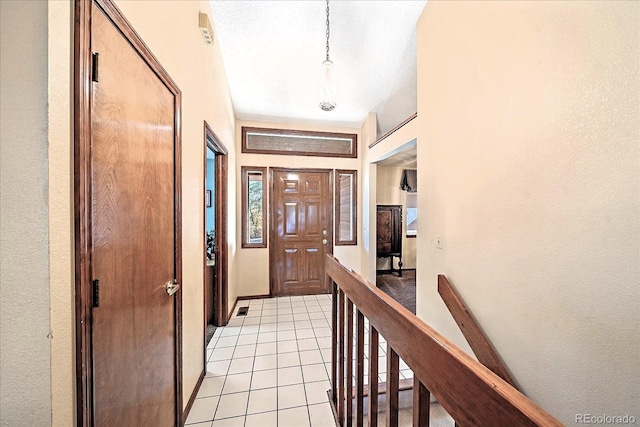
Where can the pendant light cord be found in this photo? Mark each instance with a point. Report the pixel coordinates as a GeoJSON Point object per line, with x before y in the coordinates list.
{"type": "Point", "coordinates": [328, 95]}
{"type": "Point", "coordinates": [328, 30]}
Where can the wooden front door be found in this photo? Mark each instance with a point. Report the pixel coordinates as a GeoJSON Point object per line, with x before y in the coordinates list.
{"type": "Point", "coordinates": [134, 240]}
{"type": "Point", "coordinates": [301, 225]}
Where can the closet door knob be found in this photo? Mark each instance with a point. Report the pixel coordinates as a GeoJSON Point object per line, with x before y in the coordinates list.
{"type": "Point", "coordinates": [172, 287]}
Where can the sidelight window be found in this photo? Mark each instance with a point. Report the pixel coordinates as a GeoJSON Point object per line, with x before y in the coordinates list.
{"type": "Point", "coordinates": [346, 207]}
{"type": "Point", "coordinates": [254, 203]}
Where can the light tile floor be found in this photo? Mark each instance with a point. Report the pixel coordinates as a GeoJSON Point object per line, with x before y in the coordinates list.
{"type": "Point", "coordinates": [272, 366]}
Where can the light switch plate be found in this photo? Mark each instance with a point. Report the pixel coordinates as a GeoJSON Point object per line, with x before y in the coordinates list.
{"type": "Point", "coordinates": [439, 241]}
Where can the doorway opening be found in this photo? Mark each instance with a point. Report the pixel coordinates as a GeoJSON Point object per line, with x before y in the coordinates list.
{"type": "Point", "coordinates": [211, 251]}
{"type": "Point", "coordinates": [215, 233]}
{"type": "Point", "coordinates": [396, 224]}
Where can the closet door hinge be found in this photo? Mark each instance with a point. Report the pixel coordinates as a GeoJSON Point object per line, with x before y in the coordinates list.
{"type": "Point", "coordinates": [94, 66]}
{"type": "Point", "coordinates": [96, 293]}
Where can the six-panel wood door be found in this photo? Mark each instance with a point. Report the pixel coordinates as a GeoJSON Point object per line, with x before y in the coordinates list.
{"type": "Point", "coordinates": [134, 237]}
{"type": "Point", "coordinates": [301, 230]}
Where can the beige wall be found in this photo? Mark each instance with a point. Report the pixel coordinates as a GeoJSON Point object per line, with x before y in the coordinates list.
{"type": "Point", "coordinates": [171, 31]}
{"type": "Point", "coordinates": [253, 263]}
{"type": "Point", "coordinates": [25, 357]}
{"type": "Point", "coordinates": [529, 160]}
{"type": "Point", "coordinates": [61, 215]}
{"type": "Point", "coordinates": [388, 192]}
{"type": "Point", "coordinates": [369, 133]}
{"type": "Point", "coordinates": [536, 196]}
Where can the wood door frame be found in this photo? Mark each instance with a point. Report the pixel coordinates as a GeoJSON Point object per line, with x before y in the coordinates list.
{"type": "Point", "coordinates": [272, 215]}
{"type": "Point", "coordinates": [82, 94]}
{"type": "Point", "coordinates": [221, 291]}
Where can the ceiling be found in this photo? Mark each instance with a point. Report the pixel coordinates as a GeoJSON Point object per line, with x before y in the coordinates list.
{"type": "Point", "coordinates": [273, 51]}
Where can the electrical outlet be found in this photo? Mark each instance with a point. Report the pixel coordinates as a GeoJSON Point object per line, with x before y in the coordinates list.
{"type": "Point", "coordinates": [439, 241]}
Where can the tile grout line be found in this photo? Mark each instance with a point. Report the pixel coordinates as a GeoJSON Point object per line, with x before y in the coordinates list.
{"type": "Point", "coordinates": [225, 376]}
{"type": "Point", "coordinates": [304, 386]}
{"type": "Point", "coordinates": [283, 307]}
{"type": "Point", "coordinates": [277, 371]}
{"type": "Point", "coordinates": [255, 350]}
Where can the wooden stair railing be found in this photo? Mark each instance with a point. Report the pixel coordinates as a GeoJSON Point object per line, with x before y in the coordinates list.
{"type": "Point", "coordinates": [466, 389]}
{"type": "Point", "coordinates": [477, 340]}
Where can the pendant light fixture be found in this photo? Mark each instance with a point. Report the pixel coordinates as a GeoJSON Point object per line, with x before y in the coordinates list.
{"type": "Point", "coordinates": [328, 91]}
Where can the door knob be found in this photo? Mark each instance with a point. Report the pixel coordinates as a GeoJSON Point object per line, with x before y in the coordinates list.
{"type": "Point", "coordinates": [172, 287]}
{"type": "Point", "coordinates": [324, 241]}
{"type": "Point", "coordinates": [324, 232]}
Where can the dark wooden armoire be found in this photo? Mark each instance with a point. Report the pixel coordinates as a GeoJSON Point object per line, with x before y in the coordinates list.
{"type": "Point", "coordinates": [389, 234]}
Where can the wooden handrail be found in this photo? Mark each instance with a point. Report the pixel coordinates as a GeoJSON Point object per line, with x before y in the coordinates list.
{"type": "Point", "coordinates": [469, 391]}
{"type": "Point", "coordinates": [477, 340]}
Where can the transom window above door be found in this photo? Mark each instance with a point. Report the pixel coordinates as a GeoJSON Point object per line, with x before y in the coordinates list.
{"type": "Point", "coordinates": [298, 142]}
